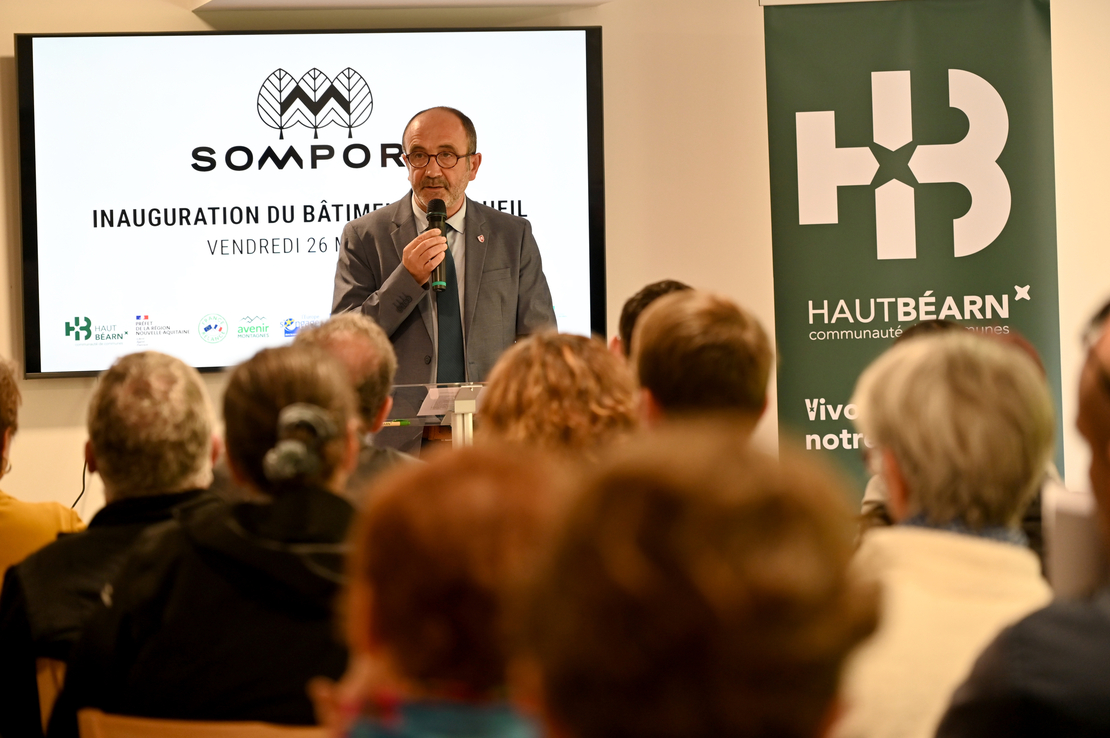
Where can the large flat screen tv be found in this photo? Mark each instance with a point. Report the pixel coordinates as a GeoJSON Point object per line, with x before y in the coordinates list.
{"type": "Point", "coordinates": [186, 192]}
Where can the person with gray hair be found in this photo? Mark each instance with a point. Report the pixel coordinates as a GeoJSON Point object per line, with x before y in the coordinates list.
{"type": "Point", "coordinates": [226, 613]}
{"type": "Point", "coordinates": [367, 354]}
{"type": "Point", "coordinates": [960, 429]}
{"type": "Point", "coordinates": [364, 348]}
{"type": "Point", "coordinates": [150, 439]}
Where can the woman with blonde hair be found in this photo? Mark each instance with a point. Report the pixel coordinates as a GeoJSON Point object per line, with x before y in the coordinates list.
{"type": "Point", "coordinates": [560, 392]}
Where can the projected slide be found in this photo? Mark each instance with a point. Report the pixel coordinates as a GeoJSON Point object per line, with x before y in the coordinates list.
{"type": "Point", "coordinates": [190, 190]}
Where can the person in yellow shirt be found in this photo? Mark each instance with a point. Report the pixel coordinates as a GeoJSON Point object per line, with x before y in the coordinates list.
{"type": "Point", "coordinates": [25, 527]}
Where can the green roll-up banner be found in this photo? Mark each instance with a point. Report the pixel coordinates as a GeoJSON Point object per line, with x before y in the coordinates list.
{"type": "Point", "coordinates": [912, 178]}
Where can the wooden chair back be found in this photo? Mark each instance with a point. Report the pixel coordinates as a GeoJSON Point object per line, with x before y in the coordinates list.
{"type": "Point", "coordinates": [50, 674]}
{"type": "Point", "coordinates": [96, 724]}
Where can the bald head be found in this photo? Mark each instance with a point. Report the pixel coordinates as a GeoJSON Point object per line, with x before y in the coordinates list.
{"type": "Point", "coordinates": [439, 111]}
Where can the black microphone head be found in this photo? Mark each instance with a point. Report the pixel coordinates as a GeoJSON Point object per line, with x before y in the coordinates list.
{"type": "Point", "coordinates": [437, 208]}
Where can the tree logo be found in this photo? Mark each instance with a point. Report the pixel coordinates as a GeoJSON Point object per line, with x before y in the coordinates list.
{"type": "Point", "coordinates": [971, 162]}
{"type": "Point", "coordinates": [76, 328]}
{"type": "Point", "coordinates": [314, 101]}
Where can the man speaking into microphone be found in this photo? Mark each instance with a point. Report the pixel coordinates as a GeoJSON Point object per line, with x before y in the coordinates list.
{"type": "Point", "coordinates": [493, 287]}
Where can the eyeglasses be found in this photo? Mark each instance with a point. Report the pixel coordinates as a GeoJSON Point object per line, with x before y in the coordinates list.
{"type": "Point", "coordinates": [445, 159]}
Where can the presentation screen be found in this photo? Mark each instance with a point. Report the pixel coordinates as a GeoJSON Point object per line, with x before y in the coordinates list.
{"type": "Point", "coordinates": [186, 193]}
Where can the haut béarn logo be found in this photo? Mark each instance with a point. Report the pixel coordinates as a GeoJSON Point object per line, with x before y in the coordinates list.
{"type": "Point", "coordinates": [971, 162]}
{"type": "Point", "coordinates": [77, 328]}
{"type": "Point", "coordinates": [82, 329]}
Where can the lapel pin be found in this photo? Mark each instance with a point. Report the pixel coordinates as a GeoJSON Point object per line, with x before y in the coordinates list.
{"type": "Point", "coordinates": [481, 238]}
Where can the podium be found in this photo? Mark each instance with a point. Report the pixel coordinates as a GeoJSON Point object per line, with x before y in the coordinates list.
{"type": "Point", "coordinates": [418, 406]}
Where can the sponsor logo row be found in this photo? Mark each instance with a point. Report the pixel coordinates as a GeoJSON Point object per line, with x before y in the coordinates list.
{"type": "Point", "coordinates": [210, 328]}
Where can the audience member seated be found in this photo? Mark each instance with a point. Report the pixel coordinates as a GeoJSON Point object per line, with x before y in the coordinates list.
{"type": "Point", "coordinates": [227, 614]}
{"type": "Point", "coordinates": [24, 526]}
{"type": "Point", "coordinates": [695, 352]}
{"type": "Point", "coordinates": [559, 392]}
{"type": "Point", "coordinates": [1049, 674]}
{"type": "Point", "coordinates": [434, 555]}
{"type": "Point", "coordinates": [621, 345]}
{"type": "Point", "coordinates": [874, 508]}
{"type": "Point", "coordinates": [698, 588]}
{"type": "Point", "coordinates": [961, 428]}
{"type": "Point", "coordinates": [150, 438]}
{"type": "Point", "coordinates": [367, 353]}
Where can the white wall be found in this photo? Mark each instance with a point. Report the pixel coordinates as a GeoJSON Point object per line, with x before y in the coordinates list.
{"type": "Point", "coordinates": [680, 78]}
{"type": "Point", "coordinates": [1081, 108]}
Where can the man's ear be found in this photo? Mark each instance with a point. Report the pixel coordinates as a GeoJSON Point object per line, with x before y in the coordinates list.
{"type": "Point", "coordinates": [217, 448]}
{"type": "Point", "coordinates": [6, 443]}
{"type": "Point", "coordinates": [350, 455]}
{"type": "Point", "coordinates": [475, 162]}
{"type": "Point", "coordinates": [897, 492]}
{"type": "Point", "coordinates": [90, 456]}
{"type": "Point", "coordinates": [383, 413]}
{"type": "Point", "coordinates": [616, 347]}
{"type": "Point", "coordinates": [651, 412]}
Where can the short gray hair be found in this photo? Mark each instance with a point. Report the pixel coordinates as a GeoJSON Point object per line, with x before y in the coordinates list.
{"type": "Point", "coordinates": [372, 363]}
{"type": "Point", "coordinates": [150, 424]}
{"type": "Point", "coordinates": [969, 421]}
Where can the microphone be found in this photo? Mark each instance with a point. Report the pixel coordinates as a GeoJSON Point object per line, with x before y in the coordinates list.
{"type": "Point", "coordinates": [437, 218]}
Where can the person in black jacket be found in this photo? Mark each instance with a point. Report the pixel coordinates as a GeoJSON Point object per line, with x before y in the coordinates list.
{"type": "Point", "coordinates": [150, 438]}
{"type": "Point", "coordinates": [1049, 673]}
{"type": "Point", "coordinates": [227, 612]}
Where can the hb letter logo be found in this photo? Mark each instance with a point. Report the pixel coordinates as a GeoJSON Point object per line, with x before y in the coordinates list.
{"type": "Point", "coordinates": [972, 162]}
{"type": "Point", "coordinates": [76, 329]}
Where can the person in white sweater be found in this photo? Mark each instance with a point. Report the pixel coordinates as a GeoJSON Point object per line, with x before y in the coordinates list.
{"type": "Point", "coordinates": [960, 429]}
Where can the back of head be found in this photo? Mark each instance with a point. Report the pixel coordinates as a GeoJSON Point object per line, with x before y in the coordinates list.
{"type": "Point", "coordinates": [435, 553]}
{"type": "Point", "coordinates": [10, 398]}
{"type": "Point", "coordinates": [150, 425]}
{"type": "Point", "coordinates": [968, 420]}
{"type": "Point", "coordinates": [364, 348]}
{"type": "Point", "coordinates": [635, 306]}
{"type": "Point", "coordinates": [695, 351]}
{"type": "Point", "coordinates": [298, 395]}
{"type": "Point", "coordinates": [928, 328]}
{"type": "Point", "coordinates": [561, 392]}
{"type": "Point", "coordinates": [698, 589]}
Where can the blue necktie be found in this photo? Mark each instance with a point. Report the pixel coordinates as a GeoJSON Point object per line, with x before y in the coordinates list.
{"type": "Point", "coordinates": [450, 366]}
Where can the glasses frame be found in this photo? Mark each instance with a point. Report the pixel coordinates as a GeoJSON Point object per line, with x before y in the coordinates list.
{"type": "Point", "coordinates": [458, 158]}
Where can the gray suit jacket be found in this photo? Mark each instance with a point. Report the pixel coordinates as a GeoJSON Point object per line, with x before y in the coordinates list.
{"type": "Point", "coordinates": [506, 293]}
